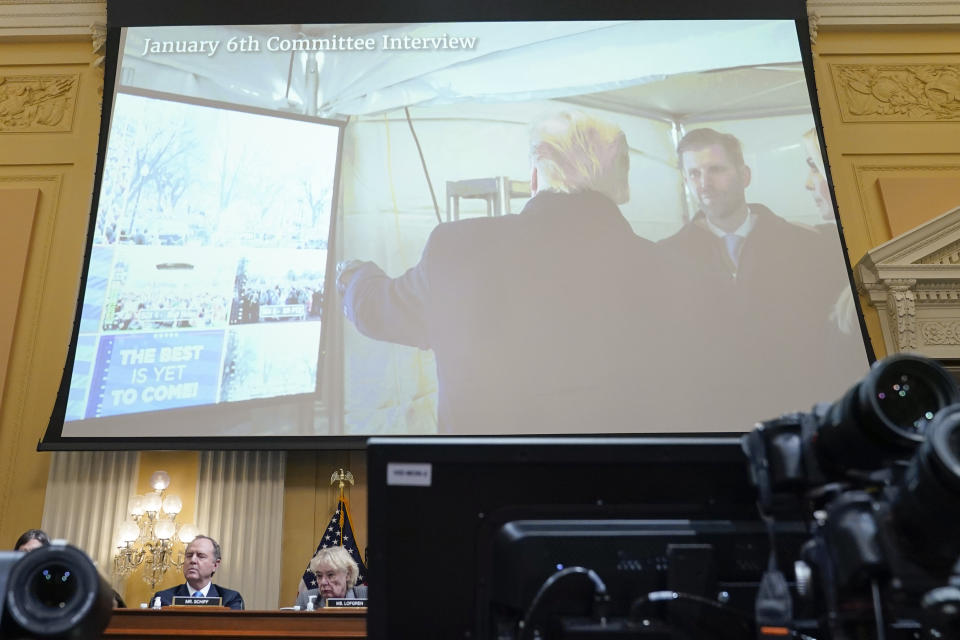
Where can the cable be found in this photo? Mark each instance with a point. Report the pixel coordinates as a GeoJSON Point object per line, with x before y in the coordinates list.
{"type": "Point", "coordinates": [551, 591]}
{"type": "Point", "coordinates": [731, 623]}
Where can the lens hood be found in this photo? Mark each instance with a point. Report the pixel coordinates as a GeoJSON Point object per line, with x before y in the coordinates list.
{"type": "Point", "coordinates": [56, 592]}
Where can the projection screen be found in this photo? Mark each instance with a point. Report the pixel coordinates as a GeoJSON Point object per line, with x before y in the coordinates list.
{"type": "Point", "coordinates": [241, 163]}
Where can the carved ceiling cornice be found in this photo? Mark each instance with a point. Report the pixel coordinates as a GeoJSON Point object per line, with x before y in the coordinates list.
{"type": "Point", "coordinates": [881, 14]}
{"type": "Point", "coordinates": [52, 19]}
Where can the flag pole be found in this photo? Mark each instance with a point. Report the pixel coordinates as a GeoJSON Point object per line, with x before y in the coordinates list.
{"type": "Point", "coordinates": [342, 477]}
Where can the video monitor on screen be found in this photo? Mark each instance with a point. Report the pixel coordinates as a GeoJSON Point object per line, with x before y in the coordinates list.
{"type": "Point", "coordinates": [244, 162]}
{"type": "Point", "coordinates": [207, 273]}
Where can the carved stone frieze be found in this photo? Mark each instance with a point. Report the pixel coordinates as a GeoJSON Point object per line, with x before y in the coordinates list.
{"type": "Point", "coordinates": [897, 92]}
{"type": "Point", "coordinates": [936, 332]}
{"type": "Point", "coordinates": [33, 104]}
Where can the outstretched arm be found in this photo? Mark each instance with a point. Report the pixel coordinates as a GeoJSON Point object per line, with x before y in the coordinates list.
{"type": "Point", "coordinates": [385, 308]}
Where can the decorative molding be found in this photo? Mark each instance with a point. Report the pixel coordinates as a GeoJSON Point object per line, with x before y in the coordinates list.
{"type": "Point", "coordinates": [949, 254]}
{"type": "Point", "coordinates": [913, 281]}
{"type": "Point", "coordinates": [902, 308]}
{"type": "Point", "coordinates": [36, 104]}
{"type": "Point", "coordinates": [98, 32]}
{"type": "Point", "coordinates": [845, 14]}
{"type": "Point", "coordinates": [876, 228]}
{"type": "Point", "coordinates": [897, 92]}
{"type": "Point", "coordinates": [813, 21]}
{"type": "Point", "coordinates": [51, 19]}
{"type": "Point", "coordinates": [944, 293]}
{"type": "Point", "coordinates": [15, 395]}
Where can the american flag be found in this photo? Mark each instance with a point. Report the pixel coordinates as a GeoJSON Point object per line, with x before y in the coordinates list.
{"type": "Point", "coordinates": [338, 532]}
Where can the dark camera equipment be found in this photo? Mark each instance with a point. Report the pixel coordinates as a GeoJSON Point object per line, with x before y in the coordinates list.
{"type": "Point", "coordinates": [842, 523]}
{"type": "Point", "coordinates": [876, 476]}
{"type": "Point", "coordinates": [52, 592]}
{"type": "Point", "coordinates": [568, 538]}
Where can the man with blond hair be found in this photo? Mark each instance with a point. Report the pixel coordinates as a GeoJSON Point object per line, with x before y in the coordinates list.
{"type": "Point", "coordinates": [541, 322]}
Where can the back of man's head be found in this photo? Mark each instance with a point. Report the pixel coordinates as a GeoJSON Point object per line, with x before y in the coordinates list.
{"type": "Point", "coordinates": [698, 139]}
{"type": "Point", "coordinates": [574, 152]}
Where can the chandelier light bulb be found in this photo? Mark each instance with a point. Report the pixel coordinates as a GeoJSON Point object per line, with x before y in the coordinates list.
{"type": "Point", "coordinates": [135, 506]}
{"type": "Point", "coordinates": [160, 480]}
{"type": "Point", "coordinates": [151, 502]}
{"type": "Point", "coordinates": [129, 531]}
{"type": "Point", "coordinates": [165, 529]}
{"type": "Point", "coordinates": [188, 533]}
{"type": "Point", "coordinates": [172, 504]}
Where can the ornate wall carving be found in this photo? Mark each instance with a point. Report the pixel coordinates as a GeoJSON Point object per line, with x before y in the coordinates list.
{"type": "Point", "coordinates": [35, 104]}
{"type": "Point", "coordinates": [946, 333]}
{"type": "Point", "coordinates": [897, 92]}
{"type": "Point", "coordinates": [902, 307]}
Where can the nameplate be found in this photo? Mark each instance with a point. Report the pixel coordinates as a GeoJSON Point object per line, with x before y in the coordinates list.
{"type": "Point", "coordinates": [191, 601]}
{"type": "Point", "coordinates": [346, 602]}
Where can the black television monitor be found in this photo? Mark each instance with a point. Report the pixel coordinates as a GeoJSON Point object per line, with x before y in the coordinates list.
{"type": "Point", "coordinates": [248, 147]}
{"type": "Point", "coordinates": [466, 535]}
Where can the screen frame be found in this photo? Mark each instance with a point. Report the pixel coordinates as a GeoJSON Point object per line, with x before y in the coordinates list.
{"type": "Point", "coordinates": [251, 12]}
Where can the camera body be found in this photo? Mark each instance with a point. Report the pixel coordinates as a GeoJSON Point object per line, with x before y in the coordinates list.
{"type": "Point", "coordinates": [52, 592]}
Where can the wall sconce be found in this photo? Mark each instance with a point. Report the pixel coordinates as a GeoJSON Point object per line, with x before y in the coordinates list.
{"type": "Point", "coordinates": [151, 537]}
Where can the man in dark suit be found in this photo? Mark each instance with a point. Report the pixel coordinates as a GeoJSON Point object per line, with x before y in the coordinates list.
{"type": "Point", "coordinates": [200, 561]}
{"type": "Point", "coordinates": [774, 283]}
{"type": "Point", "coordinates": [549, 321]}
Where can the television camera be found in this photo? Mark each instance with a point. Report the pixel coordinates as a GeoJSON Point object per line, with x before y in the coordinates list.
{"type": "Point", "coordinates": [877, 477]}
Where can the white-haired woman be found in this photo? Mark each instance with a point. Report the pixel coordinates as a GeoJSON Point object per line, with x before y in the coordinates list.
{"type": "Point", "coordinates": [336, 573]}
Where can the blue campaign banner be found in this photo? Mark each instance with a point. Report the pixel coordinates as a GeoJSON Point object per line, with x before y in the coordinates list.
{"type": "Point", "coordinates": [155, 371]}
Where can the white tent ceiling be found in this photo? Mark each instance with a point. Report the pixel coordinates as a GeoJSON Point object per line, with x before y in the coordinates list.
{"type": "Point", "coordinates": [683, 71]}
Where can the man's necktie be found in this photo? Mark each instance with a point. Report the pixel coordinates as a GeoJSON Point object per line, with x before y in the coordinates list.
{"type": "Point", "coordinates": [734, 243]}
{"type": "Point", "coordinates": [198, 594]}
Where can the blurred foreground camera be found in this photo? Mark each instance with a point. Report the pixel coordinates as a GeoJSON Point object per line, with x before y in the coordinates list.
{"type": "Point", "coordinates": [879, 422]}
{"type": "Point", "coordinates": [877, 477]}
{"type": "Point", "coordinates": [52, 592]}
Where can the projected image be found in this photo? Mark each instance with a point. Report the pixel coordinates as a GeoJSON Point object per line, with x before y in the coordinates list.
{"type": "Point", "coordinates": [184, 174]}
{"type": "Point", "coordinates": [527, 246]}
{"type": "Point", "coordinates": [272, 286]}
{"type": "Point", "coordinates": [261, 362]}
{"type": "Point", "coordinates": [207, 217]}
{"type": "Point", "coordinates": [156, 289]}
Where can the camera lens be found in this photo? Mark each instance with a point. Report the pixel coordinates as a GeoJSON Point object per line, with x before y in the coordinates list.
{"type": "Point", "coordinates": [56, 592]}
{"type": "Point", "coordinates": [906, 399]}
{"type": "Point", "coordinates": [885, 416]}
{"type": "Point", "coordinates": [54, 586]}
{"type": "Point", "coordinates": [927, 506]}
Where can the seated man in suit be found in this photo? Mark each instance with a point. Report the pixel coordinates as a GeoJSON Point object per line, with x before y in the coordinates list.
{"type": "Point", "coordinates": [336, 573]}
{"type": "Point", "coordinates": [200, 561]}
